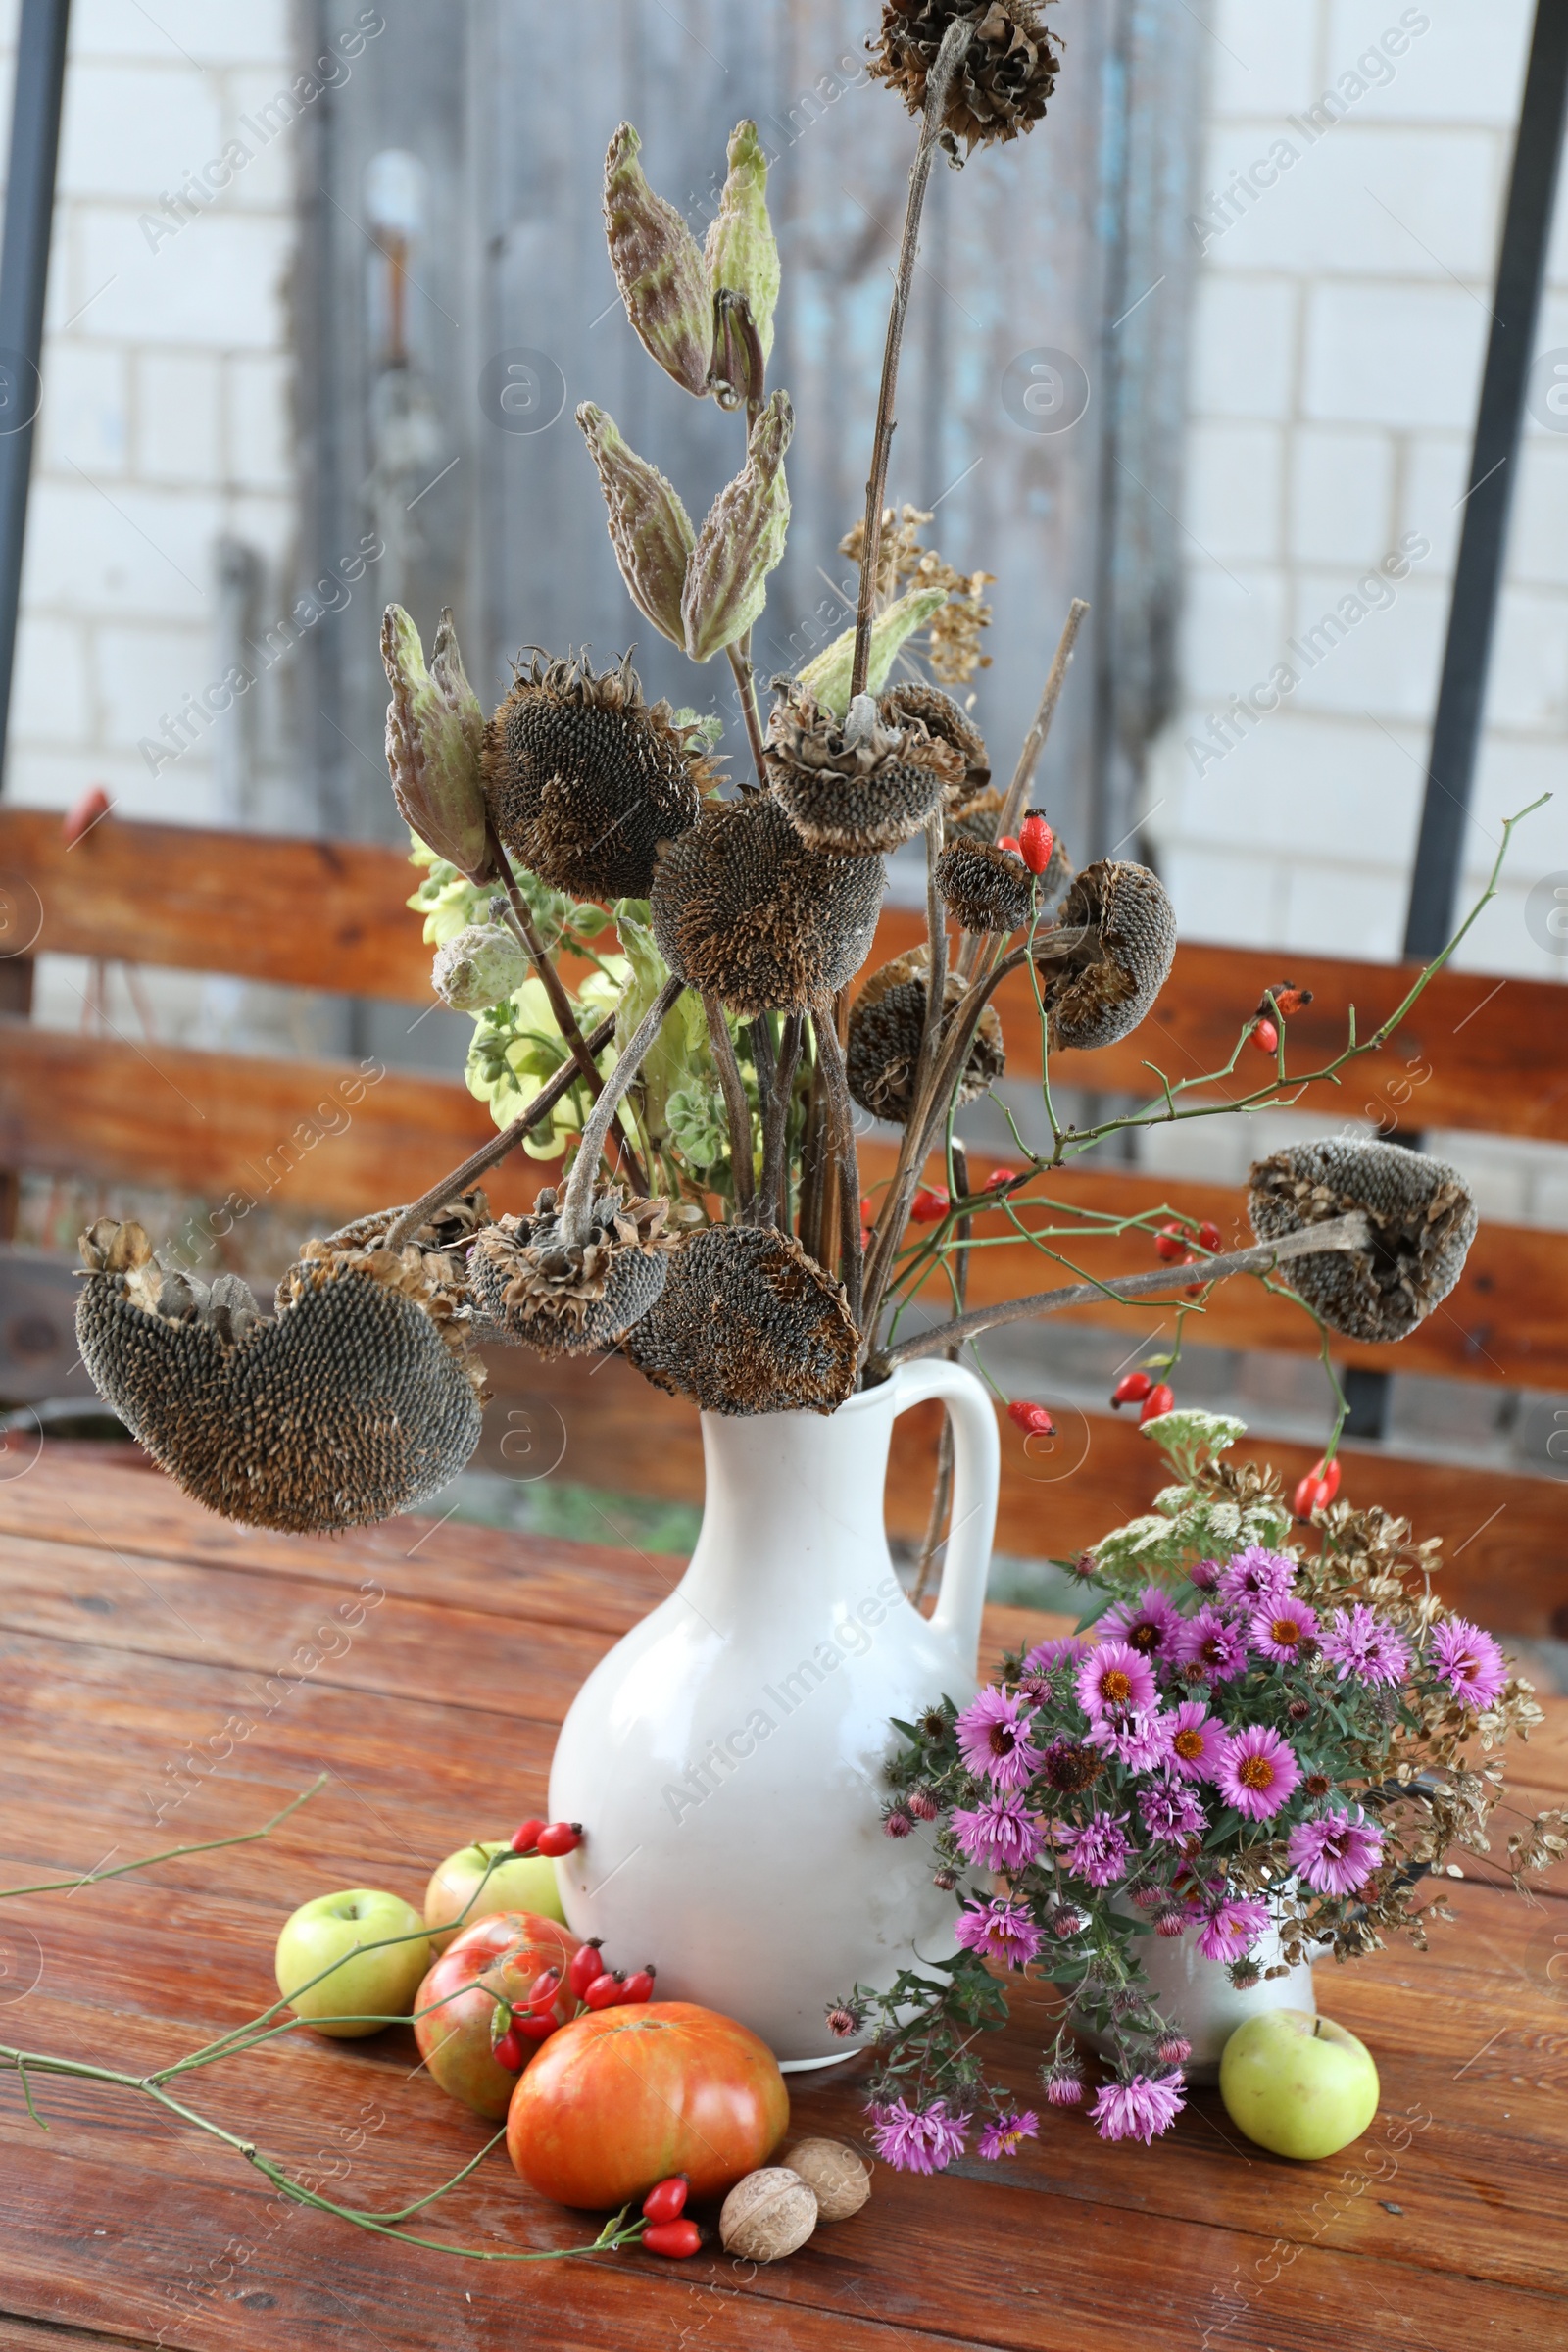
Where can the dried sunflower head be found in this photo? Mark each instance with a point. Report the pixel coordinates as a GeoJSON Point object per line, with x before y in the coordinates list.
{"type": "Point", "coordinates": [744, 911]}
{"type": "Point", "coordinates": [747, 1324]}
{"type": "Point", "coordinates": [1100, 988]}
{"type": "Point", "coordinates": [984, 888]}
{"type": "Point", "coordinates": [449, 1233]}
{"type": "Point", "coordinates": [885, 1029]}
{"type": "Point", "coordinates": [1423, 1221]}
{"type": "Point", "coordinates": [860, 786]}
{"type": "Point", "coordinates": [913, 701]}
{"type": "Point", "coordinates": [1004, 82]}
{"type": "Point", "coordinates": [584, 781]}
{"type": "Point", "coordinates": [569, 1298]}
{"type": "Point", "coordinates": [359, 1400]}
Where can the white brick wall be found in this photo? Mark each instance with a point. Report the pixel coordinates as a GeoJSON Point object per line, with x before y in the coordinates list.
{"type": "Point", "coordinates": [1338, 340]}
{"type": "Point", "coordinates": [167, 388]}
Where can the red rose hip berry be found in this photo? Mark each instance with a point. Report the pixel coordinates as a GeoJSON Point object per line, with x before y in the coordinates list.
{"type": "Point", "coordinates": [1160, 1400]}
{"type": "Point", "coordinates": [674, 2239]}
{"type": "Point", "coordinates": [667, 2199]}
{"type": "Point", "coordinates": [1132, 1389]}
{"type": "Point", "coordinates": [560, 1838]}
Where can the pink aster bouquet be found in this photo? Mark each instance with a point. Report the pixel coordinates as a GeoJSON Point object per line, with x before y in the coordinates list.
{"type": "Point", "coordinates": [1249, 1737]}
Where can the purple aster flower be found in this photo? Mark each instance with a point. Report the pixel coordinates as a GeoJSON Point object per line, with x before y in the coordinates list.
{"type": "Point", "coordinates": [1358, 1641]}
{"type": "Point", "coordinates": [1284, 1631]}
{"type": "Point", "coordinates": [1255, 1578]}
{"type": "Point", "coordinates": [1006, 2132]}
{"type": "Point", "coordinates": [994, 1739]}
{"type": "Point", "coordinates": [1098, 1850]}
{"type": "Point", "coordinates": [1194, 1740]}
{"type": "Point", "coordinates": [916, 2141]}
{"type": "Point", "coordinates": [1063, 1650]}
{"type": "Point", "coordinates": [1469, 1662]}
{"type": "Point", "coordinates": [1139, 2109]}
{"type": "Point", "coordinates": [1000, 1834]}
{"type": "Point", "coordinates": [1000, 1931]}
{"type": "Point", "coordinates": [1171, 1813]}
{"type": "Point", "coordinates": [1064, 2083]}
{"type": "Point", "coordinates": [1211, 1642]}
{"type": "Point", "coordinates": [1334, 1853]}
{"type": "Point", "coordinates": [1140, 1742]}
{"type": "Point", "coordinates": [1114, 1679]}
{"type": "Point", "coordinates": [1257, 1771]}
{"type": "Point", "coordinates": [1231, 1927]}
{"type": "Point", "coordinates": [1205, 1574]}
{"type": "Point", "coordinates": [1149, 1623]}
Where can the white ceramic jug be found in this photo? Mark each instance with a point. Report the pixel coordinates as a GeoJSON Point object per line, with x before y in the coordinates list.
{"type": "Point", "coordinates": [726, 1758]}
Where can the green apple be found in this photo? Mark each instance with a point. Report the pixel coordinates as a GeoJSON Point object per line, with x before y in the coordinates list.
{"type": "Point", "coordinates": [516, 1884]}
{"type": "Point", "coordinates": [1297, 2083]}
{"type": "Point", "coordinates": [331, 1933]}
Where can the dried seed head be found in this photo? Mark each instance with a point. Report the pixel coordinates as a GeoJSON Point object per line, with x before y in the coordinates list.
{"type": "Point", "coordinates": [569, 1299]}
{"type": "Point", "coordinates": [1102, 987]}
{"type": "Point", "coordinates": [434, 734]}
{"type": "Point", "coordinates": [767, 2215]}
{"type": "Point", "coordinates": [478, 967]}
{"type": "Point", "coordinates": [1423, 1221]}
{"type": "Point", "coordinates": [984, 888]}
{"type": "Point", "coordinates": [885, 1030]}
{"type": "Point", "coordinates": [658, 268]}
{"type": "Point", "coordinates": [649, 529]}
{"type": "Point", "coordinates": [584, 780]}
{"type": "Point", "coordinates": [1072, 1766]}
{"type": "Point", "coordinates": [448, 1234]}
{"type": "Point", "coordinates": [358, 1400]}
{"type": "Point", "coordinates": [744, 911]}
{"type": "Point", "coordinates": [856, 786]}
{"type": "Point", "coordinates": [911, 699]}
{"type": "Point", "coordinates": [747, 1324]}
{"type": "Point", "coordinates": [1003, 82]}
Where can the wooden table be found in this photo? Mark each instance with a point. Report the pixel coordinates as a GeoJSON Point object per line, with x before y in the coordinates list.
{"type": "Point", "coordinates": [140, 1635]}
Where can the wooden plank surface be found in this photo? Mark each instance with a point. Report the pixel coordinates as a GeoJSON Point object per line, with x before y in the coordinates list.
{"type": "Point", "coordinates": [1441, 2228]}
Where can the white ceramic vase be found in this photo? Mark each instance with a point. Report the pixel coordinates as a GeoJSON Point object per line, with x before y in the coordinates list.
{"type": "Point", "coordinates": [727, 1756]}
{"type": "Point", "coordinates": [1197, 1997]}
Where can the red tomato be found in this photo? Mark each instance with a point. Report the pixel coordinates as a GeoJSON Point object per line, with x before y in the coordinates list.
{"type": "Point", "coordinates": [509, 1950]}
{"type": "Point", "coordinates": [622, 2099]}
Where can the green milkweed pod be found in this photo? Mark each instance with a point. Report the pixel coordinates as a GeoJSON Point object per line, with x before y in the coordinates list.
{"type": "Point", "coordinates": [741, 255]}
{"type": "Point", "coordinates": [741, 540]}
{"type": "Point", "coordinates": [649, 529]}
{"type": "Point", "coordinates": [827, 678]}
{"type": "Point", "coordinates": [434, 736]}
{"type": "Point", "coordinates": [658, 268]}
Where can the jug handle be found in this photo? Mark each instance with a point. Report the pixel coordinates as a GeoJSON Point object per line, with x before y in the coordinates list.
{"type": "Point", "coordinates": [976, 1480]}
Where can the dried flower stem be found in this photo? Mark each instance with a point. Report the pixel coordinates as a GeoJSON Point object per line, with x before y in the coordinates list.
{"type": "Point", "coordinates": [791, 1040]}
{"type": "Point", "coordinates": [1336, 1233]}
{"type": "Point", "coordinates": [450, 1188]}
{"type": "Point", "coordinates": [736, 1107]}
{"type": "Point", "coordinates": [740, 662]}
{"type": "Point", "coordinates": [173, 1854]}
{"type": "Point", "coordinates": [1034, 743]}
{"type": "Point", "coordinates": [575, 1218]}
{"type": "Point", "coordinates": [840, 1123]}
{"type": "Point", "coordinates": [954, 44]}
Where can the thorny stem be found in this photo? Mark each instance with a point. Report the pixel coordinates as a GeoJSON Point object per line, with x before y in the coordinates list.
{"type": "Point", "coordinates": [575, 1219]}
{"type": "Point", "coordinates": [451, 1188]}
{"type": "Point", "coordinates": [841, 1115]}
{"type": "Point", "coordinates": [740, 662]}
{"type": "Point", "coordinates": [1337, 1233]}
{"type": "Point", "coordinates": [954, 42]}
{"type": "Point", "coordinates": [737, 1109]}
{"type": "Point", "coordinates": [565, 1019]}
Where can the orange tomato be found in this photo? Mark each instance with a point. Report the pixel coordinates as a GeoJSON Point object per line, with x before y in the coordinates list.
{"type": "Point", "coordinates": [623, 2097]}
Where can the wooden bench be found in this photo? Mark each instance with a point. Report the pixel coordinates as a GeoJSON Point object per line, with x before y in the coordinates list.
{"type": "Point", "coordinates": [1477, 1054]}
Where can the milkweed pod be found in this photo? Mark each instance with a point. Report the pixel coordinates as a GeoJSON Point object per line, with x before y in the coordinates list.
{"type": "Point", "coordinates": [658, 268]}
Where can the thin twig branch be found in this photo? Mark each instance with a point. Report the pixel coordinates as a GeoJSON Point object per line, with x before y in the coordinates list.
{"type": "Point", "coordinates": [737, 1109]}
{"type": "Point", "coordinates": [841, 1114]}
{"type": "Point", "coordinates": [740, 662]}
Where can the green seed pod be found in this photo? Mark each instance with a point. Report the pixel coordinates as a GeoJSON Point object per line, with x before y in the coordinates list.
{"type": "Point", "coordinates": [478, 967]}
{"type": "Point", "coordinates": [434, 735]}
{"type": "Point", "coordinates": [827, 678]}
{"type": "Point", "coordinates": [740, 254]}
{"type": "Point", "coordinates": [741, 540]}
{"type": "Point", "coordinates": [658, 268]}
{"type": "Point", "coordinates": [649, 529]}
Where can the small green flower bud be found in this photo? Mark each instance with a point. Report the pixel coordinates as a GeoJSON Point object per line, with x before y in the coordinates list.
{"type": "Point", "coordinates": [434, 732]}
{"type": "Point", "coordinates": [649, 529]}
{"type": "Point", "coordinates": [658, 268]}
{"type": "Point", "coordinates": [741, 541]}
{"type": "Point", "coordinates": [827, 678]}
{"type": "Point", "coordinates": [740, 254]}
{"type": "Point", "coordinates": [478, 967]}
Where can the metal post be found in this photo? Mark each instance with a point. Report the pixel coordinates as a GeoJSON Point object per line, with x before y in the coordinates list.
{"type": "Point", "coordinates": [23, 274]}
{"type": "Point", "coordinates": [1461, 697]}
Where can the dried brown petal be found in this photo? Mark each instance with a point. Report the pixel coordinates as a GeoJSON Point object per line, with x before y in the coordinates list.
{"type": "Point", "coordinates": [1003, 82]}
{"type": "Point", "coordinates": [940, 717]}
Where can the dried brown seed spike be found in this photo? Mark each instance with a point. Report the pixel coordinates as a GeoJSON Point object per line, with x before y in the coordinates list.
{"type": "Point", "coordinates": [747, 1324]}
{"type": "Point", "coordinates": [1002, 85]}
{"type": "Point", "coordinates": [742, 909]}
{"type": "Point", "coordinates": [1423, 1220]}
{"type": "Point", "coordinates": [885, 1032]}
{"type": "Point", "coordinates": [1101, 988]}
{"type": "Point", "coordinates": [584, 780]}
